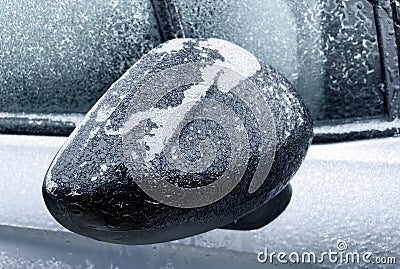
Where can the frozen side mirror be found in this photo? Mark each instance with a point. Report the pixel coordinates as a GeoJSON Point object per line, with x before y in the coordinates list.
{"type": "Point", "coordinates": [196, 135]}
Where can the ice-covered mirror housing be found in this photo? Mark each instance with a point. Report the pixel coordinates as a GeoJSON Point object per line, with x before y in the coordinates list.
{"type": "Point", "coordinates": [197, 134]}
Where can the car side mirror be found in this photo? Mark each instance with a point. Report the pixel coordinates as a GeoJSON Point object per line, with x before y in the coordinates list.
{"type": "Point", "coordinates": [195, 136]}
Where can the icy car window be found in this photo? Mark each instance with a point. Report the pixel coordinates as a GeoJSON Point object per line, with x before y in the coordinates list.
{"type": "Point", "coordinates": [61, 56]}
{"type": "Point", "coordinates": [328, 49]}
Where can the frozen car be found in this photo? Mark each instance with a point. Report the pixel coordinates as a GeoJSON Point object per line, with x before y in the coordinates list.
{"type": "Point", "coordinates": [57, 59]}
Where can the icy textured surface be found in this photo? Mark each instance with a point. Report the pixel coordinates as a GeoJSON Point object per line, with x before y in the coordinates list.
{"type": "Point", "coordinates": [358, 127]}
{"type": "Point", "coordinates": [23, 160]}
{"type": "Point", "coordinates": [192, 137]}
{"type": "Point", "coordinates": [75, 118]}
{"type": "Point", "coordinates": [328, 49]}
{"type": "Point", "coordinates": [34, 249]}
{"type": "Point", "coordinates": [346, 191]}
{"type": "Point", "coordinates": [262, 27]}
{"type": "Point", "coordinates": [60, 56]}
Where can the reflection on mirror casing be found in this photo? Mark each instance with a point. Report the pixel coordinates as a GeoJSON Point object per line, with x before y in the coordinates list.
{"type": "Point", "coordinates": [197, 134]}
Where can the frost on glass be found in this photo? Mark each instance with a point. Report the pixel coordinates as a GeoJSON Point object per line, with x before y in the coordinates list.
{"type": "Point", "coordinates": [61, 56]}
{"type": "Point", "coordinates": [328, 49]}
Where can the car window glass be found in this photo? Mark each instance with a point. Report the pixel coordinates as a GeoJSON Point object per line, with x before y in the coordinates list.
{"type": "Point", "coordinates": [61, 56]}
{"type": "Point", "coordinates": [328, 49]}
